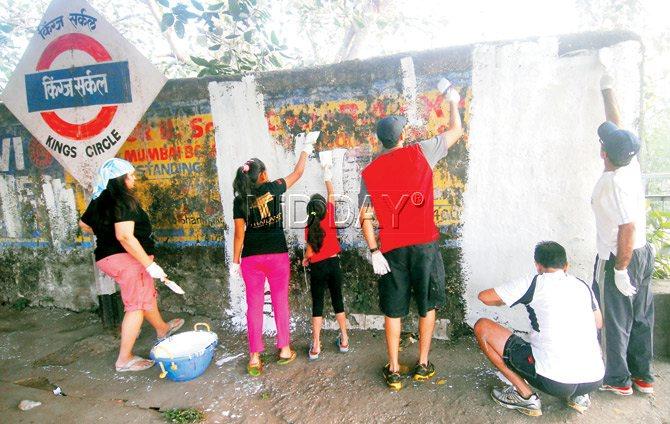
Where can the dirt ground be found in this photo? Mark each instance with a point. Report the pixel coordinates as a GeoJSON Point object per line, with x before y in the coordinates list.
{"type": "Point", "coordinates": [41, 347]}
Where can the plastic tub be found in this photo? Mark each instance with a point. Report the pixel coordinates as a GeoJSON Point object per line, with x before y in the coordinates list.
{"type": "Point", "coordinates": [185, 356]}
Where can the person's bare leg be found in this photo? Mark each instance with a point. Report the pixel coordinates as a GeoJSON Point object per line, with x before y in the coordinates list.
{"type": "Point", "coordinates": [154, 318]}
{"type": "Point", "coordinates": [317, 322]}
{"type": "Point", "coordinates": [492, 337]}
{"type": "Point", "coordinates": [392, 328]}
{"type": "Point", "coordinates": [130, 329]}
{"type": "Point", "coordinates": [342, 322]}
{"type": "Point", "coordinates": [426, 328]}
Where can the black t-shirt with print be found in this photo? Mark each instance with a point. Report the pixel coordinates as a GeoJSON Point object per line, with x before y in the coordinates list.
{"type": "Point", "coordinates": [265, 222]}
{"type": "Point", "coordinates": [106, 243]}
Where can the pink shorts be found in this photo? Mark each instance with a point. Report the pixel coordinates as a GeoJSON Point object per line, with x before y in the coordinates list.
{"type": "Point", "coordinates": [137, 286]}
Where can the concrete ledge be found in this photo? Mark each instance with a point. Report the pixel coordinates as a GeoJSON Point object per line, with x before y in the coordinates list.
{"type": "Point", "coordinates": [661, 290]}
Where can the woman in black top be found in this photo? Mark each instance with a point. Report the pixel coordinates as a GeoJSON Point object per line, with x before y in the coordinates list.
{"type": "Point", "coordinates": [123, 250]}
{"type": "Point", "coordinates": [260, 252]}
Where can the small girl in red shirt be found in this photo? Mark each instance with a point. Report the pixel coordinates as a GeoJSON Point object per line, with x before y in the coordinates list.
{"type": "Point", "coordinates": [324, 264]}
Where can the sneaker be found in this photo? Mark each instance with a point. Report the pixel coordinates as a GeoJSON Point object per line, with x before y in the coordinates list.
{"type": "Point", "coordinates": [643, 386]}
{"type": "Point", "coordinates": [621, 391]}
{"type": "Point", "coordinates": [511, 399]}
{"type": "Point", "coordinates": [393, 379]}
{"type": "Point", "coordinates": [580, 403]}
{"type": "Point", "coordinates": [423, 372]}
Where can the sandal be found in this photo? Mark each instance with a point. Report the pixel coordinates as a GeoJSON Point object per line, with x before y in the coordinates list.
{"type": "Point", "coordinates": [134, 365]}
{"type": "Point", "coordinates": [255, 369]}
{"type": "Point", "coordinates": [284, 361]}
{"type": "Point", "coordinates": [174, 326]}
{"type": "Point", "coordinates": [311, 355]}
{"type": "Point", "coordinates": [340, 346]}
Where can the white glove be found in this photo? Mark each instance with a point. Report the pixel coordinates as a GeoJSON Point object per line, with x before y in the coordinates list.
{"type": "Point", "coordinates": [622, 282]}
{"type": "Point", "coordinates": [156, 271]}
{"type": "Point", "coordinates": [379, 263]}
{"type": "Point", "coordinates": [606, 82]}
{"type": "Point", "coordinates": [443, 85]}
{"type": "Point", "coordinates": [327, 173]}
{"type": "Point", "coordinates": [235, 270]}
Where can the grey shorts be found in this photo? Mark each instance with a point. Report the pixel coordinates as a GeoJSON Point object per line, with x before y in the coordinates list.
{"type": "Point", "coordinates": [416, 271]}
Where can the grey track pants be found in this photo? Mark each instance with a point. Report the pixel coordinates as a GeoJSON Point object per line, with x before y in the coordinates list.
{"type": "Point", "coordinates": [628, 328]}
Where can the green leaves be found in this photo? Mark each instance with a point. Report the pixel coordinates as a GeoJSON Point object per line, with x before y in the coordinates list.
{"type": "Point", "coordinates": [164, 3]}
{"type": "Point", "coordinates": [167, 21]}
{"type": "Point", "coordinates": [234, 35]}
{"type": "Point", "coordinates": [179, 29]}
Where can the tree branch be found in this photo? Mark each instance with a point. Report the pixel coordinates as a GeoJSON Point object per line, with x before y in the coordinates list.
{"type": "Point", "coordinates": [169, 35]}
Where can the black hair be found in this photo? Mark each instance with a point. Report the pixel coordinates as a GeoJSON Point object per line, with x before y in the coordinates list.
{"type": "Point", "coordinates": [550, 254]}
{"type": "Point", "coordinates": [117, 200]}
{"type": "Point", "coordinates": [246, 181]}
{"type": "Point", "coordinates": [316, 211]}
{"type": "Point", "coordinates": [388, 143]}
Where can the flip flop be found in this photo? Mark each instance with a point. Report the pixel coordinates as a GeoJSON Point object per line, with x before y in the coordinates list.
{"type": "Point", "coordinates": [174, 326]}
{"type": "Point", "coordinates": [340, 346]}
{"type": "Point", "coordinates": [133, 365]}
{"type": "Point", "coordinates": [284, 361]}
{"type": "Point", "coordinates": [256, 369]}
{"type": "Point", "coordinates": [310, 353]}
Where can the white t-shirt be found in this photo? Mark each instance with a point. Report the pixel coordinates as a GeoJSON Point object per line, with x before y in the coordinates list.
{"type": "Point", "coordinates": [564, 336]}
{"type": "Point", "coordinates": [618, 198]}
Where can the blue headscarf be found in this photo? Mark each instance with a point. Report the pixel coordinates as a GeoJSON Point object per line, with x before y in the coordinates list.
{"type": "Point", "coordinates": [112, 168]}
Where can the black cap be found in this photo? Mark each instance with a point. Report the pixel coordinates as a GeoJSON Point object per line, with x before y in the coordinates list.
{"type": "Point", "coordinates": [390, 128]}
{"type": "Point", "coordinates": [620, 145]}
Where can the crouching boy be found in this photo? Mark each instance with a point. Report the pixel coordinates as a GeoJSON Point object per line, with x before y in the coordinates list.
{"type": "Point", "coordinates": [563, 358]}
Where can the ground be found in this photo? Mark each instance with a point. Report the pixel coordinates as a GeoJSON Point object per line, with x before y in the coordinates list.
{"type": "Point", "coordinates": [40, 348]}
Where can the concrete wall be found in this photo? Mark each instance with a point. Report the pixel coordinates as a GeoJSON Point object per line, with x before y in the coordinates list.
{"type": "Point", "coordinates": [198, 131]}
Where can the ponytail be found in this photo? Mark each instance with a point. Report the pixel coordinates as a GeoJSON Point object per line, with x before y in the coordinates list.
{"type": "Point", "coordinates": [316, 210]}
{"type": "Point", "coordinates": [246, 181]}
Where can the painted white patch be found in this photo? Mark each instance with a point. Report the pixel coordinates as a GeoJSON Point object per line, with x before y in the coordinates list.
{"type": "Point", "coordinates": [9, 201]}
{"type": "Point", "coordinates": [62, 211]}
{"type": "Point", "coordinates": [241, 133]}
{"type": "Point", "coordinates": [534, 158]}
{"type": "Point", "coordinates": [7, 144]}
{"type": "Point", "coordinates": [409, 91]}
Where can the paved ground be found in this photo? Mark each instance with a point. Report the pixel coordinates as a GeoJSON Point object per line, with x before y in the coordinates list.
{"type": "Point", "coordinates": [40, 348]}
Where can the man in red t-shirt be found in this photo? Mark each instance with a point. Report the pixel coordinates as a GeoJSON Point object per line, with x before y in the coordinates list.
{"type": "Point", "coordinates": [399, 186]}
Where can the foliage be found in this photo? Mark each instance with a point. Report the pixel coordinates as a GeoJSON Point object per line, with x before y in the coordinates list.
{"type": "Point", "coordinates": [658, 234]}
{"type": "Point", "coordinates": [20, 304]}
{"type": "Point", "coordinates": [184, 415]}
{"type": "Point", "coordinates": [235, 33]}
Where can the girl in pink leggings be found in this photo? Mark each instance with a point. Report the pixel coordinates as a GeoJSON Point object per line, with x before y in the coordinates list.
{"type": "Point", "coordinates": [260, 251]}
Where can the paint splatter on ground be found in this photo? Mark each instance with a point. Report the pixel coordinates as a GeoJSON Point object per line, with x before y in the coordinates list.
{"type": "Point", "coordinates": [336, 388]}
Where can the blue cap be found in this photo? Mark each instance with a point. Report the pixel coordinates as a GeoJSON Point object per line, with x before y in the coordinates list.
{"type": "Point", "coordinates": [620, 145]}
{"type": "Point", "coordinates": [390, 128]}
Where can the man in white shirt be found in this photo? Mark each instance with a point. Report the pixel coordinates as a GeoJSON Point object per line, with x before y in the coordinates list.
{"type": "Point", "coordinates": [625, 261]}
{"type": "Point", "coordinates": [563, 358]}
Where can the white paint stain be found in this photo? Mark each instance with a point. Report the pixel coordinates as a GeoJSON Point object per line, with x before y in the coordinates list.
{"type": "Point", "coordinates": [241, 133]}
{"type": "Point", "coordinates": [409, 91]}
{"type": "Point", "coordinates": [534, 157]}
{"type": "Point", "coordinates": [7, 144]}
{"type": "Point", "coordinates": [9, 200]}
{"type": "Point", "coordinates": [62, 211]}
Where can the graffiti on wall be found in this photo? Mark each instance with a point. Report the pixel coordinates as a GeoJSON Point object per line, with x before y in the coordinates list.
{"type": "Point", "coordinates": [36, 195]}
{"type": "Point", "coordinates": [350, 124]}
{"type": "Point", "coordinates": [174, 157]}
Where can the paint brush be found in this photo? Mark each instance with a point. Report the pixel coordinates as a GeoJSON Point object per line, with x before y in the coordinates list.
{"type": "Point", "coordinates": [173, 286]}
